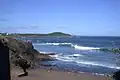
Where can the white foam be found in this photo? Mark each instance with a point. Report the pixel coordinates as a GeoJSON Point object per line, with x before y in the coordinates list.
{"type": "Point", "coordinates": [75, 55]}
{"type": "Point", "coordinates": [69, 59]}
{"type": "Point", "coordinates": [46, 52]}
{"type": "Point", "coordinates": [54, 56]}
{"type": "Point", "coordinates": [58, 44]}
{"type": "Point", "coordinates": [69, 44]}
{"type": "Point", "coordinates": [39, 43]}
{"type": "Point", "coordinates": [55, 44]}
{"type": "Point", "coordinates": [62, 58]}
{"type": "Point", "coordinates": [66, 56]}
{"type": "Point", "coordinates": [84, 48]}
{"type": "Point", "coordinates": [98, 74]}
{"type": "Point", "coordinates": [66, 59]}
{"type": "Point", "coordinates": [97, 64]}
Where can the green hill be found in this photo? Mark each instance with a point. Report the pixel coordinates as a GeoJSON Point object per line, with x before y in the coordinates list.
{"type": "Point", "coordinates": [54, 34]}
{"type": "Point", "coordinates": [58, 34]}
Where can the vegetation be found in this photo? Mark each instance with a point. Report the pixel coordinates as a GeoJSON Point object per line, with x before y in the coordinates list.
{"type": "Point", "coordinates": [54, 34]}
{"type": "Point", "coordinates": [58, 34]}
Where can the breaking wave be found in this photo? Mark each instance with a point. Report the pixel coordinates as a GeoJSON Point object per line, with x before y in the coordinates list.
{"type": "Point", "coordinates": [55, 44]}
{"type": "Point", "coordinates": [72, 58]}
{"type": "Point", "coordinates": [85, 48]}
{"type": "Point", "coordinates": [70, 45]}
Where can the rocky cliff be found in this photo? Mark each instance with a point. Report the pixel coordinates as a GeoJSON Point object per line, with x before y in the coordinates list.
{"type": "Point", "coordinates": [24, 50]}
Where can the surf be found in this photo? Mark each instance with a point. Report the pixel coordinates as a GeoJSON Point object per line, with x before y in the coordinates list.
{"type": "Point", "coordinates": [55, 44]}
{"type": "Point", "coordinates": [72, 58]}
{"type": "Point", "coordinates": [75, 46]}
{"type": "Point", "coordinates": [84, 48]}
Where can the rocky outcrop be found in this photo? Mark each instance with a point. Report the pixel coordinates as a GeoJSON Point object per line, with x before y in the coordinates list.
{"type": "Point", "coordinates": [116, 75]}
{"type": "Point", "coordinates": [114, 50]}
{"type": "Point", "coordinates": [19, 49]}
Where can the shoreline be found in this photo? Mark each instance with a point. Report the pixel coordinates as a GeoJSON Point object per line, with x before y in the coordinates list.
{"type": "Point", "coordinates": [44, 36]}
{"type": "Point", "coordinates": [48, 74]}
{"type": "Point", "coordinates": [46, 67]}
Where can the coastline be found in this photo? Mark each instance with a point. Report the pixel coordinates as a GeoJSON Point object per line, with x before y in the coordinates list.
{"type": "Point", "coordinates": [48, 74]}
{"type": "Point", "coordinates": [45, 73]}
{"type": "Point", "coordinates": [45, 36]}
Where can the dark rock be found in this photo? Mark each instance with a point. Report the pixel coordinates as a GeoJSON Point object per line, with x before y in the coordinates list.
{"type": "Point", "coordinates": [114, 50]}
{"type": "Point", "coordinates": [44, 57]}
{"type": "Point", "coordinates": [20, 51]}
{"type": "Point", "coordinates": [116, 75]}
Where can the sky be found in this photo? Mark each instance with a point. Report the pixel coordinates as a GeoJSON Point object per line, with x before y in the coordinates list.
{"type": "Point", "coordinates": [77, 17]}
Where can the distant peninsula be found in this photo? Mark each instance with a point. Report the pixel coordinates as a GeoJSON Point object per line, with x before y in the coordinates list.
{"type": "Point", "coordinates": [53, 34]}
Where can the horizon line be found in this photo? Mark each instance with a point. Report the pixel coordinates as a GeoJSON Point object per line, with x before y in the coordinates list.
{"type": "Point", "coordinates": [68, 33]}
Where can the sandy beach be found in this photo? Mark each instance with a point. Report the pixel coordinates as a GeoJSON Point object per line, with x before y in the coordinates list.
{"type": "Point", "coordinates": [43, 74]}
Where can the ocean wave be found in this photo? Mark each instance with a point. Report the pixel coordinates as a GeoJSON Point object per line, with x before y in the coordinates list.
{"type": "Point", "coordinates": [59, 44]}
{"type": "Point", "coordinates": [67, 58]}
{"type": "Point", "coordinates": [55, 44]}
{"type": "Point", "coordinates": [76, 55]}
{"type": "Point", "coordinates": [85, 48]}
{"type": "Point", "coordinates": [97, 64]}
{"type": "Point", "coordinates": [71, 45]}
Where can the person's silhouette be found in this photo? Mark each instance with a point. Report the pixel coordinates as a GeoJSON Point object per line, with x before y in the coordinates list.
{"type": "Point", "coordinates": [23, 64]}
{"type": "Point", "coordinates": [4, 61]}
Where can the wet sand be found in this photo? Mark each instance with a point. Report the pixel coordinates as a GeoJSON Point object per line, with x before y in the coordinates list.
{"type": "Point", "coordinates": [43, 74]}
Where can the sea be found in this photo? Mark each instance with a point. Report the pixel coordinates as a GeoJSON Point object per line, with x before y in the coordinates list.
{"type": "Point", "coordinates": [80, 53]}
